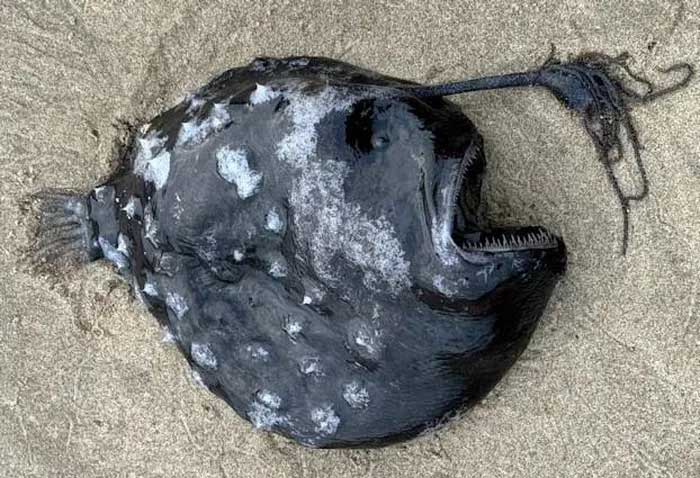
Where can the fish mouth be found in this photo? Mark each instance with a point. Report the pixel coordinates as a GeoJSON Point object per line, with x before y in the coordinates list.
{"type": "Point", "coordinates": [507, 240]}
{"type": "Point", "coordinates": [470, 231]}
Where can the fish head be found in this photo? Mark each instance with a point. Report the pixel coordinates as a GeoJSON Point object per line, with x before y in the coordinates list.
{"type": "Point", "coordinates": [420, 164]}
{"type": "Point", "coordinates": [477, 268]}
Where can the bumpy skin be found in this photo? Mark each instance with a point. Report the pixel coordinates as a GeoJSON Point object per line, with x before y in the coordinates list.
{"type": "Point", "coordinates": [293, 224]}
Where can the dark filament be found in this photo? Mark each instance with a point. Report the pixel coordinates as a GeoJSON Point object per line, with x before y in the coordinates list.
{"type": "Point", "coordinates": [589, 86]}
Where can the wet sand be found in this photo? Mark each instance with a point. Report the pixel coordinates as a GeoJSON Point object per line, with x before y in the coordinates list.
{"type": "Point", "coordinates": [609, 386]}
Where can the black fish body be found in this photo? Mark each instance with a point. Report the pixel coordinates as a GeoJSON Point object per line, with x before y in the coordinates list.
{"type": "Point", "coordinates": [310, 234]}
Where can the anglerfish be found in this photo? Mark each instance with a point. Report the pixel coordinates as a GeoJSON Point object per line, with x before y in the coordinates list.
{"type": "Point", "coordinates": [312, 235]}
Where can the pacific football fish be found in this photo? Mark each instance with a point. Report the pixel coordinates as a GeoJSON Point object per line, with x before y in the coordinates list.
{"type": "Point", "coordinates": [311, 234]}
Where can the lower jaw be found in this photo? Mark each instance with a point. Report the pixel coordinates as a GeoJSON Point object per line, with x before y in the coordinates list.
{"type": "Point", "coordinates": [506, 240]}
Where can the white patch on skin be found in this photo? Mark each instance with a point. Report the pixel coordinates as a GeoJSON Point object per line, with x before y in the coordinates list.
{"type": "Point", "coordinates": [299, 63]}
{"type": "Point", "coordinates": [150, 288]}
{"type": "Point", "coordinates": [196, 102]}
{"type": "Point", "coordinates": [124, 245]}
{"type": "Point", "coordinates": [150, 226]}
{"type": "Point", "coordinates": [177, 304]}
{"type": "Point", "coordinates": [324, 219]}
{"type": "Point", "coordinates": [232, 165]}
{"type": "Point", "coordinates": [263, 417]}
{"type": "Point", "coordinates": [274, 222]}
{"type": "Point", "coordinates": [152, 163]}
{"type": "Point", "coordinates": [306, 300]}
{"type": "Point", "coordinates": [269, 399]}
{"type": "Point", "coordinates": [325, 420]}
{"type": "Point", "coordinates": [369, 340]}
{"type": "Point", "coordinates": [177, 208]}
{"type": "Point", "coordinates": [197, 379]}
{"type": "Point", "coordinates": [203, 356]}
{"type": "Point", "coordinates": [262, 94]}
{"type": "Point", "coordinates": [238, 256]}
{"type": "Point", "coordinates": [278, 269]}
{"type": "Point", "coordinates": [130, 207]}
{"type": "Point", "coordinates": [112, 254]}
{"type": "Point", "coordinates": [168, 337]}
{"type": "Point", "coordinates": [293, 328]}
{"type": "Point", "coordinates": [311, 366]}
{"type": "Point", "coordinates": [442, 285]}
{"type": "Point", "coordinates": [196, 132]}
{"type": "Point", "coordinates": [258, 353]}
{"type": "Point", "coordinates": [356, 395]}
{"type": "Point", "coordinates": [100, 193]}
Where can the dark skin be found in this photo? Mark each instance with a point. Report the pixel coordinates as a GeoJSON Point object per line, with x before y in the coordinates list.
{"type": "Point", "coordinates": [380, 305]}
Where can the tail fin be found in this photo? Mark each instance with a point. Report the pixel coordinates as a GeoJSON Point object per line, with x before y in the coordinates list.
{"type": "Point", "coordinates": [64, 233]}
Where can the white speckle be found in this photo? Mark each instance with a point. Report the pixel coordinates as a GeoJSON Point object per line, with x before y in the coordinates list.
{"type": "Point", "coordinates": [278, 269]}
{"type": "Point", "coordinates": [269, 399]}
{"type": "Point", "coordinates": [356, 395]}
{"type": "Point", "coordinates": [292, 328]}
{"type": "Point", "coordinates": [232, 165]}
{"type": "Point", "coordinates": [311, 366]}
{"type": "Point", "coordinates": [325, 419]}
{"type": "Point", "coordinates": [130, 207]}
{"type": "Point", "coordinates": [486, 271]}
{"type": "Point", "coordinates": [197, 379]}
{"type": "Point", "coordinates": [263, 417]}
{"type": "Point", "coordinates": [306, 300]}
{"type": "Point", "coordinates": [177, 208]}
{"type": "Point", "coordinates": [262, 94]}
{"type": "Point", "coordinates": [197, 131]}
{"type": "Point", "coordinates": [238, 256]}
{"type": "Point", "coordinates": [177, 304]}
{"type": "Point", "coordinates": [149, 288]}
{"type": "Point", "coordinates": [203, 355]}
{"type": "Point", "coordinates": [274, 222]}
{"type": "Point", "coordinates": [258, 352]}
{"type": "Point", "coordinates": [152, 163]}
{"type": "Point", "coordinates": [324, 219]}
{"type": "Point", "coordinates": [443, 286]}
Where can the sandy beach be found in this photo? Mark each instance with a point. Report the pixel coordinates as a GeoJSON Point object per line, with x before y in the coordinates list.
{"type": "Point", "coordinates": [610, 384]}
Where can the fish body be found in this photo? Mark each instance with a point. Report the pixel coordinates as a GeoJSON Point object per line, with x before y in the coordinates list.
{"type": "Point", "coordinates": [310, 233]}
